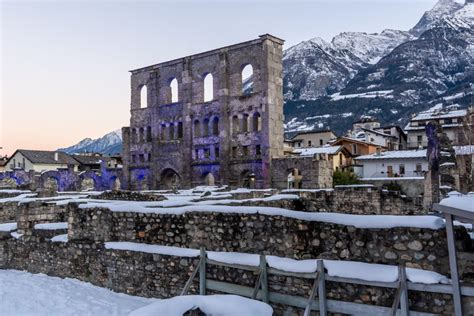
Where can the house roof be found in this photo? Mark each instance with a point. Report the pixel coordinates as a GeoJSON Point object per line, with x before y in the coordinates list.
{"type": "Point", "coordinates": [353, 140]}
{"type": "Point", "coordinates": [438, 114]}
{"type": "Point", "coordinates": [330, 150]}
{"type": "Point", "coordinates": [396, 154]}
{"type": "Point", "coordinates": [46, 157]}
{"type": "Point", "coordinates": [378, 133]}
{"type": "Point", "coordinates": [90, 160]}
{"type": "Point", "coordinates": [320, 131]}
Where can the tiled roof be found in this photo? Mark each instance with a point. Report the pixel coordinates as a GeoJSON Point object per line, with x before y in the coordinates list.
{"type": "Point", "coordinates": [47, 157]}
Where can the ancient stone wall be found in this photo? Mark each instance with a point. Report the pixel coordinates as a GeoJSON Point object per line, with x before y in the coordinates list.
{"type": "Point", "coordinates": [8, 212]}
{"type": "Point", "coordinates": [276, 235]}
{"type": "Point", "coordinates": [32, 213]}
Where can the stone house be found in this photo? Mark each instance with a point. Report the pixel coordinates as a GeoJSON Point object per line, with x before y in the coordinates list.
{"type": "Point", "coordinates": [40, 161]}
{"type": "Point", "coordinates": [339, 157]}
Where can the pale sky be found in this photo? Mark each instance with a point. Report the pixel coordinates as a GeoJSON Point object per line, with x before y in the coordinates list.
{"type": "Point", "coordinates": [64, 64]}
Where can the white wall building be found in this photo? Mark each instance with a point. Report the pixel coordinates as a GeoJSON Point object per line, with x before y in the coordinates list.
{"type": "Point", "coordinates": [401, 163]}
{"type": "Point", "coordinates": [40, 160]}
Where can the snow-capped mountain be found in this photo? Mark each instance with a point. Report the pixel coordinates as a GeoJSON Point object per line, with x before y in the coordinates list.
{"type": "Point", "coordinates": [109, 144]}
{"type": "Point", "coordinates": [410, 74]}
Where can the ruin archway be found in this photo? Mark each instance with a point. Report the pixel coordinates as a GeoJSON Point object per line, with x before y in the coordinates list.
{"type": "Point", "coordinates": [294, 179]}
{"type": "Point", "coordinates": [170, 179]}
{"type": "Point", "coordinates": [51, 185]}
{"type": "Point", "coordinates": [88, 184]}
{"type": "Point", "coordinates": [247, 179]}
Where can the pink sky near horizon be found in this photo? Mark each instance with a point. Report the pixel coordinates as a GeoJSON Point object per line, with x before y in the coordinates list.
{"type": "Point", "coordinates": [64, 65]}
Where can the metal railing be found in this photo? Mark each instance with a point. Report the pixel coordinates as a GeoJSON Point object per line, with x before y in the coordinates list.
{"type": "Point", "coordinates": [260, 291]}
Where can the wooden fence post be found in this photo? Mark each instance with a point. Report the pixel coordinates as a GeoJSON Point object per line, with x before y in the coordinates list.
{"type": "Point", "coordinates": [322, 289]}
{"type": "Point", "coordinates": [202, 272]}
{"type": "Point", "coordinates": [264, 278]}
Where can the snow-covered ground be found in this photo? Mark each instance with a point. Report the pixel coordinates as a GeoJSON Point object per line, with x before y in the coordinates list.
{"type": "Point", "coordinates": [23, 293]}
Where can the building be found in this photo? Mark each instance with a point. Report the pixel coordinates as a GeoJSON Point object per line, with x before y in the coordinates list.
{"type": "Point", "coordinates": [339, 156]}
{"type": "Point", "coordinates": [91, 161]}
{"type": "Point", "coordinates": [399, 142]}
{"type": "Point", "coordinates": [356, 147]}
{"type": "Point", "coordinates": [305, 139]}
{"type": "Point", "coordinates": [201, 120]}
{"type": "Point", "coordinates": [40, 161]}
{"type": "Point", "coordinates": [401, 163]}
{"type": "Point", "coordinates": [366, 122]}
{"type": "Point", "coordinates": [450, 118]}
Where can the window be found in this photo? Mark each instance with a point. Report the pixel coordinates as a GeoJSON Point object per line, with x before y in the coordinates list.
{"type": "Point", "coordinates": [419, 139]}
{"type": "Point", "coordinates": [309, 143]}
{"type": "Point", "coordinates": [208, 87]}
{"type": "Point", "coordinates": [245, 150]}
{"type": "Point", "coordinates": [197, 129]}
{"type": "Point", "coordinates": [234, 152]}
{"type": "Point", "coordinates": [235, 124]}
{"type": "Point", "coordinates": [247, 80]}
{"type": "Point", "coordinates": [134, 159]}
{"type": "Point", "coordinates": [418, 168]}
{"type": "Point", "coordinates": [207, 153]}
{"type": "Point", "coordinates": [148, 134]}
{"type": "Point", "coordinates": [163, 132]}
{"type": "Point", "coordinates": [245, 123]}
{"type": "Point", "coordinates": [196, 153]}
{"type": "Point", "coordinates": [141, 158]}
{"type": "Point", "coordinates": [148, 157]}
{"type": "Point", "coordinates": [143, 97]}
{"type": "Point", "coordinates": [401, 169]}
{"type": "Point", "coordinates": [354, 149]}
{"type": "Point", "coordinates": [205, 128]}
{"type": "Point", "coordinates": [320, 142]}
{"type": "Point", "coordinates": [180, 130]}
{"type": "Point", "coordinates": [171, 136]}
{"type": "Point", "coordinates": [258, 150]}
{"type": "Point", "coordinates": [216, 152]}
{"type": "Point", "coordinates": [134, 135]}
{"type": "Point", "coordinates": [174, 90]}
{"type": "Point", "coordinates": [141, 134]}
{"type": "Point", "coordinates": [215, 126]}
{"type": "Point", "coordinates": [257, 122]}
{"type": "Point", "coordinates": [389, 171]}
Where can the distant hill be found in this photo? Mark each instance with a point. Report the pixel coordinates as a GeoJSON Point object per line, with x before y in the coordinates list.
{"type": "Point", "coordinates": [109, 144]}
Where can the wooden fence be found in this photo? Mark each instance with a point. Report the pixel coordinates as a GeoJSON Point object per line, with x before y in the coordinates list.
{"type": "Point", "coordinates": [323, 305]}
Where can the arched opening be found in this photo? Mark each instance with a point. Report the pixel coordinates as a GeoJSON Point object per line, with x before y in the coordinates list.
{"type": "Point", "coordinates": [247, 179]}
{"type": "Point", "coordinates": [294, 179]}
{"type": "Point", "coordinates": [257, 122]}
{"type": "Point", "coordinates": [180, 130]}
{"type": "Point", "coordinates": [245, 123]}
{"type": "Point", "coordinates": [87, 184]}
{"type": "Point", "coordinates": [141, 134]}
{"type": "Point", "coordinates": [170, 179]}
{"type": "Point", "coordinates": [208, 87]}
{"type": "Point", "coordinates": [215, 126]}
{"type": "Point", "coordinates": [235, 124]}
{"type": "Point", "coordinates": [174, 90]}
{"type": "Point", "coordinates": [247, 79]}
{"type": "Point", "coordinates": [171, 135]}
{"type": "Point", "coordinates": [134, 135]}
{"type": "Point", "coordinates": [205, 128]}
{"type": "Point", "coordinates": [209, 180]}
{"type": "Point", "coordinates": [143, 97]}
{"type": "Point", "coordinates": [116, 185]}
{"type": "Point", "coordinates": [148, 134]}
{"type": "Point", "coordinates": [197, 128]}
{"type": "Point", "coordinates": [51, 185]}
{"type": "Point", "coordinates": [163, 132]}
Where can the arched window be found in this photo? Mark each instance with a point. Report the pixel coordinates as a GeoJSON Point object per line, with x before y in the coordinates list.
{"type": "Point", "coordinates": [171, 137]}
{"type": "Point", "coordinates": [141, 134]}
{"type": "Point", "coordinates": [257, 122]}
{"type": "Point", "coordinates": [174, 90]}
{"type": "Point", "coordinates": [180, 130]}
{"type": "Point", "coordinates": [245, 123]}
{"type": "Point", "coordinates": [235, 124]}
{"type": "Point", "coordinates": [247, 79]}
{"type": "Point", "coordinates": [148, 134]}
{"type": "Point", "coordinates": [215, 126]}
{"type": "Point", "coordinates": [163, 131]}
{"type": "Point", "coordinates": [143, 97]}
{"type": "Point", "coordinates": [197, 129]}
{"type": "Point", "coordinates": [205, 128]}
{"type": "Point", "coordinates": [134, 135]}
{"type": "Point", "coordinates": [208, 87]}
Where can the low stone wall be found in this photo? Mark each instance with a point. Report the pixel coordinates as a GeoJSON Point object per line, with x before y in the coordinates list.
{"type": "Point", "coordinates": [32, 213]}
{"type": "Point", "coordinates": [359, 200]}
{"type": "Point", "coordinates": [276, 235]}
{"type": "Point", "coordinates": [163, 276]}
{"type": "Point", "coordinates": [411, 187]}
{"type": "Point", "coordinates": [8, 211]}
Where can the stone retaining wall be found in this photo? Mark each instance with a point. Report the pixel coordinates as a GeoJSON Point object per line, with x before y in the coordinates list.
{"type": "Point", "coordinates": [276, 235]}
{"type": "Point", "coordinates": [32, 213]}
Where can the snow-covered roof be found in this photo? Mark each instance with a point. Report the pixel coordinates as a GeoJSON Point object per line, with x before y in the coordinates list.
{"type": "Point", "coordinates": [330, 150]}
{"type": "Point", "coordinates": [463, 202]}
{"type": "Point", "coordinates": [464, 150]}
{"type": "Point", "coordinates": [396, 154]}
{"type": "Point", "coordinates": [431, 115]}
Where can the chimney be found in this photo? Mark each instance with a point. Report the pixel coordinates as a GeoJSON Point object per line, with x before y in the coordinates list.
{"type": "Point", "coordinates": [56, 156]}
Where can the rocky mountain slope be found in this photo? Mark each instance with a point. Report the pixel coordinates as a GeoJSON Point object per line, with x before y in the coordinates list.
{"type": "Point", "coordinates": [109, 144]}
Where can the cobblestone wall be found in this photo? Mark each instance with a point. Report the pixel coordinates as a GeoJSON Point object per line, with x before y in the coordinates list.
{"type": "Point", "coordinates": [32, 213]}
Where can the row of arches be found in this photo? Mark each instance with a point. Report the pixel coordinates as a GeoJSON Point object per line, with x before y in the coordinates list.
{"type": "Point", "coordinates": [206, 127]}
{"type": "Point", "coordinates": [141, 134]}
{"type": "Point", "coordinates": [208, 87]}
{"type": "Point", "coordinates": [247, 123]}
